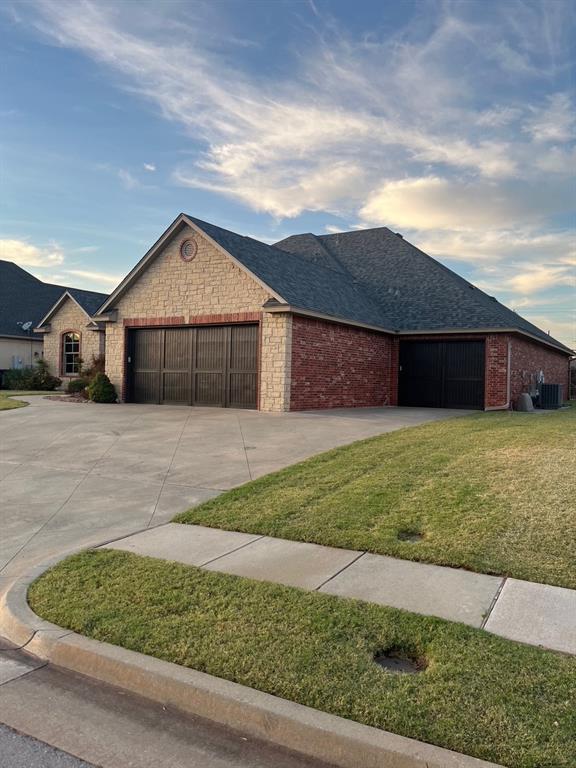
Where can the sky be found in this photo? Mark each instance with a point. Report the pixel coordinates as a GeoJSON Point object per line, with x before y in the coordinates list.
{"type": "Point", "coordinates": [451, 122]}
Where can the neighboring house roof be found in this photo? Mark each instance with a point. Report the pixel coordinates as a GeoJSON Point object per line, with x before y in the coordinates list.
{"type": "Point", "coordinates": [88, 301]}
{"type": "Point", "coordinates": [25, 299]}
{"type": "Point", "coordinates": [370, 277]}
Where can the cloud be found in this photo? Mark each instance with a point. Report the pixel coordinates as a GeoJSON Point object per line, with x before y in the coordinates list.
{"type": "Point", "coordinates": [26, 254]}
{"type": "Point", "coordinates": [127, 179]}
{"type": "Point", "coordinates": [555, 122]}
{"type": "Point", "coordinates": [96, 277]}
{"type": "Point", "coordinates": [539, 277]}
{"type": "Point", "coordinates": [87, 249]}
{"type": "Point", "coordinates": [150, 167]}
{"type": "Point", "coordinates": [354, 113]}
{"type": "Point", "coordinates": [488, 246]}
{"type": "Point", "coordinates": [432, 202]}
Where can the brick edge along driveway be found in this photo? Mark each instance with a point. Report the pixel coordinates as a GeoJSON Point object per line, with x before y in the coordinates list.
{"type": "Point", "coordinates": [77, 475]}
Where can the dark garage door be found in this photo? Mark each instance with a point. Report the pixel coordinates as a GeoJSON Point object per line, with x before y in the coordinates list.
{"type": "Point", "coordinates": [209, 365]}
{"type": "Point", "coordinates": [442, 374]}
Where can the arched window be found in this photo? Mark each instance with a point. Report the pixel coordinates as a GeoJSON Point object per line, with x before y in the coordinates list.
{"type": "Point", "coordinates": [70, 353]}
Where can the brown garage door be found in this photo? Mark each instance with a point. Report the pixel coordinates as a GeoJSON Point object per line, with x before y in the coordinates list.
{"type": "Point", "coordinates": [209, 365]}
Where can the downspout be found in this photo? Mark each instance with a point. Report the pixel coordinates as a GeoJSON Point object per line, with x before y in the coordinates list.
{"type": "Point", "coordinates": [506, 406]}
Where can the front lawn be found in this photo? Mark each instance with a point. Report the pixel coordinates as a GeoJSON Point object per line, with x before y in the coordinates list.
{"type": "Point", "coordinates": [477, 694]}
{"type": "Point", "coordinates": [494, 493]}
{"type": "Point", "coordinates": [6, 399]}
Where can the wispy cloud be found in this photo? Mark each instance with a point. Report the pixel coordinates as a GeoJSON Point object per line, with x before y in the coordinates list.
{"type": "Point", "coordinates": [43, 260]}
{"type": "Point", "coordinates": [26, 254]}
{"type": "Point", "coordinates": [128, 180]}
{"type": "Point", "coordinates": [457, 127]}
{"type": "Point", "coordinates": [95, 277]}
{"type": "Point", "coordinates": [355, 111]}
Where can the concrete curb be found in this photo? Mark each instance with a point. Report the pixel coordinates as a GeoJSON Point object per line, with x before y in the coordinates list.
{"type": "Point", "coordinates": [340, 742]}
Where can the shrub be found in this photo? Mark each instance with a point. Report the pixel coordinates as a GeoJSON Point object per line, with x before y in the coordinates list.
{"type": "Point", "coordinates": [42, 378]}
{"type": "Point", "coordinates": [96, 366]}
{"type": "Point", "coordinates": [16, 378]}
{"type": "Point", "coordinates": [37, 377]}
{"type": "Point", "coordinates": [76, 385]}
{"type": "Point", "coordinates": [101, 389]}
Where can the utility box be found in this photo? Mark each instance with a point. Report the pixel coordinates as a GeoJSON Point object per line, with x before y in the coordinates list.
{"type": "Point", "coordinates": [551, 396]}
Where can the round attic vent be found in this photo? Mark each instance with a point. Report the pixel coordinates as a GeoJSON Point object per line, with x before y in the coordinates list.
{"type": "Point", "coordinates": [188, 249]}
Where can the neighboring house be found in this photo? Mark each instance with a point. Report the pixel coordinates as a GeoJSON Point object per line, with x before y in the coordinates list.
{"type": "Point", "coordinates": [70, 335]}
{"type": "Point", "coordinates": [24, 300]}
{"type": "Point", "coordinates": [209, 317]}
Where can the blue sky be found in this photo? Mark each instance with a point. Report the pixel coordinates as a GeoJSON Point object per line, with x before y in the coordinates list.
{"type": "Point", "coordinates": [451, 122]}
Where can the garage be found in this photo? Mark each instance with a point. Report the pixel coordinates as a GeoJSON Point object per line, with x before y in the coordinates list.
{"type": "Point", "coordinates": [442, 374]}
{"type": "Point", "coordinates": [202, 366]}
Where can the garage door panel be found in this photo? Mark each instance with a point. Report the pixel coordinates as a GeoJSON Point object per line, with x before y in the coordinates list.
{"type": "Point", "coordinates": [242, 390]}
{"type": "Point", "coordinates": [209, 389]}
{"type": "Point", "coordinates": [147, 349]}
{"type": "Point", "coordinates": [177, 349]}
{"type": "Point", "coordinates": [207, 366]}
{"type": "Point", "coordinates": [442, 374]}
{"type": "Point", "coordinates": [462, 394]}
{"type": "Point", "coordinates": [146, 387]}
{"type": "Point", "coordinates": [176, 388]}
{"type": "Point", "coordinates": [243, 348]}
{"type": "Point", "coordinates": [464, 360]}
{"type": "Point", "coordinates": [211, 348]}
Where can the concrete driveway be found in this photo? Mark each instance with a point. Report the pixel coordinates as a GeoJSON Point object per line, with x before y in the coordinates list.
{"type": "Point", "coordinates": [75, 474]}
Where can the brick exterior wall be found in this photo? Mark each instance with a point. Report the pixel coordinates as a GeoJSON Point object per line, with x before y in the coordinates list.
{"type": "Point", "coordinates": [209, 289]}
{"type": "Point", "coordinates": [71, 318]}
{"type": "Point", "coordinates": [529, 358]}
{"type": "Point", "coordinates": [496, 372]}
{"type": "Point", "coordinates": [526, 357]}
{"type": "Point", "coordinates": [339, 366]}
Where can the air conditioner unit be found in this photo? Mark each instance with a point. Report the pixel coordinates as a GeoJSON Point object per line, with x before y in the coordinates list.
{"type": "Point", "coordinates": [551, 396]}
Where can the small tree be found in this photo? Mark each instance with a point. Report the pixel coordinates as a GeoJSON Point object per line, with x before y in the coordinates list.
{"type": "Point", "coordinates": [37, 377]}
{"type": "Point", "coordinates": [101, 389]}
{"type": "Point", "coordinates": [42, 378]}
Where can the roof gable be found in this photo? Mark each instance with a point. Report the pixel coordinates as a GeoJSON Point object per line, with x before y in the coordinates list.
{"type": "Point", "coordinates": [26, 299]}
{"type": "Point", "coordinates": [87, 301]}
{"type": "Point", "coordinates": [371, 277]}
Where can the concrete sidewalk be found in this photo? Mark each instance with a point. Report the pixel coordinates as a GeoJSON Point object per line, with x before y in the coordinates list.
{"type": "Point", "coordinates": [531, 613]}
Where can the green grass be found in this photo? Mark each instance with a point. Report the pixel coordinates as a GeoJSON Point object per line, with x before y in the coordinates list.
{"type": "Point", "coordinates": [494, 493]}
{"type": "Point", "coordinates": [479, 694]}
{"type": "Point", "coordinates": [7, 403]}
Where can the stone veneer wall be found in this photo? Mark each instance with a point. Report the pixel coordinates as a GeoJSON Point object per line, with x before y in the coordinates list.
{"type": "Point", "coordinates": [209, 287]}
{"type": "Point", "coordinates": [71, 318]}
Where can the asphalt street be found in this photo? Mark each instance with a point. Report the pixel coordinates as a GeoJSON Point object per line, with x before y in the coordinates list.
{"type": "Point", "coordinates": [18, 751]}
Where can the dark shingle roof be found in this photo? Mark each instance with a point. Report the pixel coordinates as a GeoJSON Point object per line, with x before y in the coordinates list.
{"type": "Point", "coordinates": [90, 301]}
{"type": "Point", "coordinates": [372, 277]}
{"type": "Point", "coordinates": [24, 298]}
{"type": "Point", "coordinates": [413, 291]}
{"type": "Point", "coordinates": [300, 281]}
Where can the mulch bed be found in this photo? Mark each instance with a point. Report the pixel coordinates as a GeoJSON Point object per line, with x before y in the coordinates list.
{"type": "Point", "coordinates": [67, 398]}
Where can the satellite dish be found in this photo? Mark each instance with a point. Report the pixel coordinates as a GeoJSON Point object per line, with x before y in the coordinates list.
{"type": "Point", "coordinates": [26, 326]}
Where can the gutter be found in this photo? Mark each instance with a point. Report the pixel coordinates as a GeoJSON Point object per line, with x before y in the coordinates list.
{"type": "Point", "coordinates": [275, 307]}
